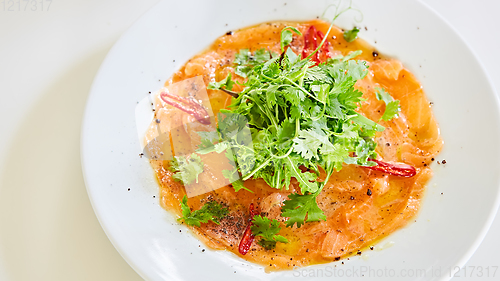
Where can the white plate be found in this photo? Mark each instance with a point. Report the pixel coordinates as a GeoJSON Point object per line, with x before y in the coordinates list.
{"type": "Point", "coordinates": [461, 199]}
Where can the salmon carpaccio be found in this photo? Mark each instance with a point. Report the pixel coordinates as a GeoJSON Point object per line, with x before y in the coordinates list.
{"type": "Point", "coordinates": [361, 205]}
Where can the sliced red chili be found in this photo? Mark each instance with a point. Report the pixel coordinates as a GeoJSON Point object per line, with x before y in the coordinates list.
{"type": "Point", "coordinates": [188, 105]}
{"type": "Point", "coordinates": [247, 239]}
{"type": "Point", "coordinates": [310, 43]}
{"type": "Point", "coordinates": [395, 169]}
{"type": "Point", "coordinates": [312, 39]}
{"type": "Point", "coordinates": [326, 50]}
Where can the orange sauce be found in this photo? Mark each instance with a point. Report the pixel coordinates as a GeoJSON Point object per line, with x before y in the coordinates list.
{"type": "Point", "coordinates": [362, 206]}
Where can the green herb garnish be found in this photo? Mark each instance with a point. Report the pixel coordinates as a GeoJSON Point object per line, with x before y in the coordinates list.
{"type": "Point", "coordinates": [299, 206]}
{"type": "Point", "coordinates": [287, 36]}
{"type": "Point", "coordinates": [351, 35]}
{"type": "Point", "coordinates": [245, 60]}
{"type": "Point", "coordinates": [186, 169]}
{"type": "Point", "coordinates": [211, 211]}
{"type": "Point", "coordinates": [267, 229]}
{"type": "Point", "coordinates": [391, 106]}
{"type": "Point", "coordinates": [303, 115]}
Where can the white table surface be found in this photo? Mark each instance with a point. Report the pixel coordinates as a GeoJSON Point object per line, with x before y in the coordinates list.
{"type": "Point", "coordinates": [49, 56]}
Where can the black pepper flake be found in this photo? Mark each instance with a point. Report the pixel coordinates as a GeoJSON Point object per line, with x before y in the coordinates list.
{"type": "Point", "coordinates": [141, 154]}
{"type": "Point", "coordinates": [154, 196]}
{"type": "Point", "coordinates": [352, 198]}
{"type": "Point", "coordinates": [203, 250]}
{"type": "Point", "coordinates": [432, 159]}
{"type": "Point", "coordinates": [371, 248]}
{"type": "Point", "coordinates": [180, 230]}
{"type": "Point", "coordinates": [229, 33]}
{"type": "Point", "coordinates": [444, 161]}
{"type": "Point", "coordinates": [337, 258]}
{"type": "Point", "coordinates": [158, 121]}
{"type": "Point", "coordinates": [375, 54]}
{"type": "Point", "coordinates": [359, 253]}
{"type": "Point", "coordinates": [129, 189]}
{"type": "Point", "coordinates": [369, 192]}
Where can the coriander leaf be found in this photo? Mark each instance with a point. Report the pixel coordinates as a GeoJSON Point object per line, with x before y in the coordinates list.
{"type": "Point", "coordinates": [208, 139]}
{"type": "Point", "coordinates": [391, 110]}
{"type": "Point", "coordinates": [245, 60]}
{"type": "Point", "coordinates": [369, 126]}
{"type": "Point", "coordinates": [267, 229]}
{"type": "Point", "coordinates": [307, 180]}
{"type": "Point", "coordinates": [351, 35]}
{"type": "Point", "coordinates": [211, 211]}
{"type": "Point", "coordinates": [186, 169]}
{"type": "Point", "coordinates": [334, 155]}
{"type": "Point", "coordinates": [308, 143]}
{"type": "Point", "coordinates": [287, 36]}
{"type": "Point", "coordinates": [291, 56]}
{"type": "Point", "coordinates": [391, 106]}
{"type": "Point", "coordinates": [226, 83]}
{"type": "Point", "coordinates": [382, 95]}
{"type": "Point", "coordinates": [235, 180]}
{"type": "Point", "coordinates": [298, 207]}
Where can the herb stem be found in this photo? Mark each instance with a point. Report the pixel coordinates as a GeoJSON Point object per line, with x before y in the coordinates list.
{"type": "Point", "coordinates": [298, 175]}
{"type": "Point", "coordinates": [303, 90]}
{"type": "Point", "coordinates": [258, 168]}
{"type": "Point", "coordinates": [282, 156]}
{"type": "Point", "coordinates": [328, 32]}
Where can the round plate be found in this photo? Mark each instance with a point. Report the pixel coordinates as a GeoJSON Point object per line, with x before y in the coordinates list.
{"type": "Point", "coordinates": [461, 199]}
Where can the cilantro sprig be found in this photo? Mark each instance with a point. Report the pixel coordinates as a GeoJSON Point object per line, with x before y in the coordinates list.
{"type": "Point", "coordinates": [392, 107]}
{"type": "Point", "coordinates": [268, 231]}
{"type": "Point", "coordinates": [351, 35]}
{"type": "Point", "coordinates": [187, 169]}
{"type": "Point", "coordinates": [245, 60]}
{"type": "Point", "coordinates": [211, 211]}
{"type": "Point", "coordinates": [300, 206]}
{"type": "Point", "coordinates": [303, 116]}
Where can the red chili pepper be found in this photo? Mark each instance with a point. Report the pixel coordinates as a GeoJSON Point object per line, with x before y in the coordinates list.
{"type": "Point", "coordinates": [395, 169]}
{"type": "Point", "coordinates": [247, 239]}
{"type": "Point", "coordinates": [312, 39]}
{"type": "Point", "coordinates": [188, 105]}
